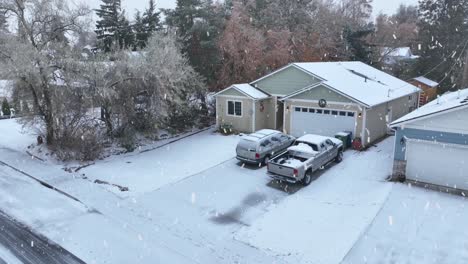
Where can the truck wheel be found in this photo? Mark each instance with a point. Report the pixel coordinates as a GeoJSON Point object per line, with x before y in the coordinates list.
{"type": "Point", "coordinates": [339, 156]}
{"type": "Point", "coordinates": [266, 160]}
{"type": "Point", "coordinates": [307, 178]}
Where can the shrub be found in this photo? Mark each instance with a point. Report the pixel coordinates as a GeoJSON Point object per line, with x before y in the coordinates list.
{"type": "Point", "coordinates": [226, 129]}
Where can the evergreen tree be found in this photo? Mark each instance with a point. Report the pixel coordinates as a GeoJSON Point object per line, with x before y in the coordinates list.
{"type": "Point", "coordinates": [6, 107]}
{"type": "Point", "coordinates": [151, 19]}
{"type": "Point", "coordinates": [126, 38]}
{"type": "Point", "coordinates": [444, 34]}
{"type": "Point", "coordinates": [199, 24]}
{"type": "Point", "coordinates": [141, 37]}
{"type": "Point", "coordinates": [107, 27]}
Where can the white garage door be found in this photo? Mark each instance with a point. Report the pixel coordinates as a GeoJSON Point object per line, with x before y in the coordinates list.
{"type": "Point", "coordinates": [437, 163]}
{"type": "Point", "coordinates": [323, 122]}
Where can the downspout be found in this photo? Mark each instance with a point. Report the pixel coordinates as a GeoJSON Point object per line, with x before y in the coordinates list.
{"type": "Point", "coordinates": [254, 105]}
{"type": "Point", "coordinates": [364, 127]}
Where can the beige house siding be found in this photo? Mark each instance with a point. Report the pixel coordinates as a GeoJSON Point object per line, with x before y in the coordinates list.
{"type": "Point", "coordinates": [286, 81]}
{"type": "Point", "coordinates": [322, 92]}
{"type": "Point", "coordinates": [377, 120]}
{"type": "Point", "coordinates": [266, 118]}
{"type": "Point", "coordinates": [242, 123]}
{"type": "Point", "coordinates": [290, 103]}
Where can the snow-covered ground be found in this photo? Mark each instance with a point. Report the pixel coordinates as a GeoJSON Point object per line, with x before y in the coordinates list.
{"type": "Point", "coordinates": [151, 170]}
{"type": "Point", "coordinates": [320, 223]}
{"type": "Point", "coordinates": [416, 226]}
{"type": "Point", "coordinates": [192, 202]}
{"type": "Point", "coordinates": [6, 257]}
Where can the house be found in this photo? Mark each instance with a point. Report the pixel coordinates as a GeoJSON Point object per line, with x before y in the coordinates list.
{"type": "Point", "coordinates": [319, 98]}
{"type": "Point", "coordinates": [431, 143]}
{"type": "Point", "coordinates": [393, 56]}
{"type": "Point", "coordinates": [428, 89]}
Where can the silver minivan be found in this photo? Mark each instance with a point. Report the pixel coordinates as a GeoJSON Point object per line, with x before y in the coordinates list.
{"type": "Point", "coordinates": [259, 147]}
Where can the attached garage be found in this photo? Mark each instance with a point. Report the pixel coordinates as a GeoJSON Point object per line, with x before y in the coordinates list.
{"type": "Point", "coordinates": [437, 163]}
{"type": "Point", "coordinates": [326, 122]}
{"type": "Point", "coordinates": [431, 144]}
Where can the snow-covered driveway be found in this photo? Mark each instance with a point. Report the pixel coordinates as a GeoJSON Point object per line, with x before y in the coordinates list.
{"type": "Point", "coordinates": [320, 223]}
{"type": "Point", "coordinates": [416, 226]}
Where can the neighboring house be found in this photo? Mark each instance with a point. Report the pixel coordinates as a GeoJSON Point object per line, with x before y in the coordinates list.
{"type": "Point", "coordinates": [319, 98]}
{"type": "Point", "coordinates": [393, 56]}
{"type": "Point", "coordinates": [431, 144]}
{"type": "Point", "coordinates": [428, 89]}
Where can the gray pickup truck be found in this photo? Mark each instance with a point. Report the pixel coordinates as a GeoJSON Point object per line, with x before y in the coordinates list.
{"type": "Point", "coordinates": [308, 154]}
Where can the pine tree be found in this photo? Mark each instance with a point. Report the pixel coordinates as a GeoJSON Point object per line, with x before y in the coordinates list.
{"type": "Point", "coordinates": [141, 37]}
{"type": "Point", "coordinates": [107, 27]}
{"type": "Point", "coordinates": [151, 19]}
{"type": "Point", "coordinates": [126, 37]}
{"type": "Point", "coordinates": [6, 107]}
{"type": "Point", "coordinates": [444, 36]}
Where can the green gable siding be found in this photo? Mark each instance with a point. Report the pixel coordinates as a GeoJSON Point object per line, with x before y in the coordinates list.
{"type": "Point", "coordinates": [322, 92]}
{"type": "Point", "coordinates": [286, 81]}
{"type": "Point", "coordinates": [233, 92]}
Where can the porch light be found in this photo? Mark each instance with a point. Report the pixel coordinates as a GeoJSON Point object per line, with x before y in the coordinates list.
{"type": "Point", "coordinates": [360, 115]}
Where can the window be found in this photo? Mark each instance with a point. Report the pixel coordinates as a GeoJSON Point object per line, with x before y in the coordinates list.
{"type": "Point", "coordinates": [326, 112]}
{"type": "Point", "coordinates": [297, 109]}
{"type": "Point", "coordinates": [342, 113]}
{"type": "Point", "coordinates": [335, 113]}
{"type": "Point", "coordinates": [410, 97]}
{"type": "Point", "coordinates": [329, 142]}
{"type": "Point", "coordinates": [304, 110]}
{"type": "Point", "coordinates": [350, 114]}
{"type": "Point", "coordinates": [234, 108]}
{"type": "Point", "coordinates": [265, 143]}
{"type": "Point", "coordinates": [311, 110]}
{"type": "Point", "coordinates": [319, 111]}
{"type": "Point", "coordinates": [275, 139]}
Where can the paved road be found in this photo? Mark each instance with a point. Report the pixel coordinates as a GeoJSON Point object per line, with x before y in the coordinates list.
{"type": "Point", "coordinates": [29, 247]}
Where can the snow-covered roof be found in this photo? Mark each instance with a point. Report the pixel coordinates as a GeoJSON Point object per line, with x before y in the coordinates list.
{"type": "Point", "coordinates": [397, 52]}
{"type": "Point", "coordinates": [446, 102]}
{"type": "Point", "coordinates": [359, 81]}
{"type": "Point", "coordinates": [6, 89]}
{"type": "Point", "coordinates": [257, 136]}
{"type": "Point", "coordinates": [426, 81]}
{"type": "Point", "coordinates": [248, 90]}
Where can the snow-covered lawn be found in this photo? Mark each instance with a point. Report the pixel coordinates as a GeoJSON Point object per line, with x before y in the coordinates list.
{"type": "Point", "coordinates": [151, 170]}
